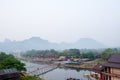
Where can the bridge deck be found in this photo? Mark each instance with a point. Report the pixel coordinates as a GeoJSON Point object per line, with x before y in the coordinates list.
{"type": "Point", "coordinates": [43, 70]}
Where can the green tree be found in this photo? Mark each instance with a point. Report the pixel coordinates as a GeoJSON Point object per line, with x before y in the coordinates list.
{"type": "Point", "coordinates": [106, 53]}
{"type": "Point", "coordinates": [2, 56]}
{"type": "Point", "coordinates": [90, 55]}
{"type": "Point", "coordinates": [65, 52]}
{"type": "Point", "coordinates": [74, 52]}
{"type": "Point", "coordinates": [9, 61]}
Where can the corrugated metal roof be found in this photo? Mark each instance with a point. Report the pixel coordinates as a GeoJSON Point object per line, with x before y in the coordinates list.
{"type": "Point", "coordinates": [8, 71]}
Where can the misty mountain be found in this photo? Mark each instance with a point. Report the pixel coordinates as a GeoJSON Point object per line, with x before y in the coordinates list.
{"type": "Point", "coordinates": [88, 43]}
{"type": "Point", "coordinates": [41, 44]}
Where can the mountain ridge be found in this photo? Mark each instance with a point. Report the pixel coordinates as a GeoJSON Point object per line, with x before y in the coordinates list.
{"type": "Point", "coordinates": [41, 44]}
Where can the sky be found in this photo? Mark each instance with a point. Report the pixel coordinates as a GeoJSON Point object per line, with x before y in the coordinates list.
{"type": "Point", "coordinates": [61, 20]}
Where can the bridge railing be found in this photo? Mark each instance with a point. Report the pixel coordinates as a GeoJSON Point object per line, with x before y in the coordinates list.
{"type": "Point", "coordinates": [43, 70]}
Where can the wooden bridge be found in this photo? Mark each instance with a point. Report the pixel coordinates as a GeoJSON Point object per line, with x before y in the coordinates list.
{"type": "Point", "coordinates": [43, 70]}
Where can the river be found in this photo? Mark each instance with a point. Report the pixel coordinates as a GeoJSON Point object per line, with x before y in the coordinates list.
{"type": "Point", "coordinates": [59, 73]}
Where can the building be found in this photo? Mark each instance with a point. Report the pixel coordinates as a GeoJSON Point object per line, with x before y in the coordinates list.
{"type": "Point", "coordinates": [98, 69]}
{"type": "Point", "coordinates": [109, 70]}
{"type": "Point", "coordinates": [112, 68]}
{"type": "Point", "coordinates": [62, 58]}
{"type": "Point", "coordinates": [9, 74]}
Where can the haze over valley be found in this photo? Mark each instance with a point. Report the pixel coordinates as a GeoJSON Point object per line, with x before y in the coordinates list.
{"type": "Point", "coordinates": [59, 24]}
{"type": "Point", "coordinates": [59, 39]}
{"type": "Point", "coordinates": [41, 44]}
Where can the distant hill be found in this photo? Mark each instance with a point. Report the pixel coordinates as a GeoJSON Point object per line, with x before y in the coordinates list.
{"type": "Point", "coordinates": [41, 44]}
{"type": "Point", "coordinates": [88, 43]}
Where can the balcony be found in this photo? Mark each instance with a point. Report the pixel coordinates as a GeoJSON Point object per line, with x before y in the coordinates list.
{"type": "Point", "coordinates": [111, 74]}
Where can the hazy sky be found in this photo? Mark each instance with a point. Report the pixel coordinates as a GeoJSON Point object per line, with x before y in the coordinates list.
{"type": "Point", "coordinates": [61, 20]}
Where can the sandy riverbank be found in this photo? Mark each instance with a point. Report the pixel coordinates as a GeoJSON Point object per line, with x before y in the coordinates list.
{"type": "Point", "coordinates": [84, 65]}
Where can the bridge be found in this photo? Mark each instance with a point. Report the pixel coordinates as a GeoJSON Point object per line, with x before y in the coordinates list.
{"type": "Point", "coordinates": [43, 70]}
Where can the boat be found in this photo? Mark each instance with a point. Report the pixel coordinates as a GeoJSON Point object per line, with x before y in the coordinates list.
{"type": "Point", "coordinates": [72, 63]}
{"type": "Point", "coordinates": [72, 79]}
{"type": "Point", "coordinates": [89, 76]}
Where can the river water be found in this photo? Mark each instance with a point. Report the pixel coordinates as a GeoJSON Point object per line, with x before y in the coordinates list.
{"type": "Point", "coordinates": [59, 73]}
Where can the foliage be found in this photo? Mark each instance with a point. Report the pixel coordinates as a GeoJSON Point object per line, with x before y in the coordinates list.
{"type": "Point", "coordinates": [68, 53]}
{"type": "Point", "coordinates": [9, 61]}
{"type": "Point", "coordinates": [89, 55]}
{"type": "Point", "coordinates": [44, 53]}
{"type": "Point", "coordinates": [38, 53]}
{"type": "Point", "coordinates": [101, 61]}
{"type": "Point", "coordinates": [106, 53]}
{"type": "Point", "coordinates": [30, 78]}
{"type": "Point", "coordinates": [76, 53]}
{"type": "Point", "coordinates": [71, 53]}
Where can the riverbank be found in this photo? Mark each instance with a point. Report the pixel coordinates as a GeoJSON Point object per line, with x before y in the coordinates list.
{"type": "Point", "coordinates": [84, 65]}
{"type": "Point", "coordinates": [60, 73]}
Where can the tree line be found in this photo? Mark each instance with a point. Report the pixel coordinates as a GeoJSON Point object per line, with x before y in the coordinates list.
{"type": "Point", "coordinates": [90, 54]}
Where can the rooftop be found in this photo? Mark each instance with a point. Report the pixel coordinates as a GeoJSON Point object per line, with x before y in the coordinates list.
{"type": "Point", "coordinates": [8, 71]}
{"type": "Point", "coordinates": [98, 68]}
{"type": "Point", "coordinates": [114, 61]}
{"type": "Point", "coordinates": [114, 58]}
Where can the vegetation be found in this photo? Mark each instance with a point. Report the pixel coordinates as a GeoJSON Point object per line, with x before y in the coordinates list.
{"type": "Point", "coordinates": [108, 52]}
{"type": "Point", "coordinates": [30, 78]}
{"type": "Point", "coordinates": [69, 53]}
{"type": "Point", "coordinates": [89, 55]}
{"type": "Point", "coordinates": [9, 61]}
{"type": "Point", "coordinates": [92, 54]}
{"type": "Point", "coordinates": [100, 61]}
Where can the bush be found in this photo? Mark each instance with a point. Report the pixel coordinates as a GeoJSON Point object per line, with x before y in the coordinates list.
{"type": "Point", "coordinates": [9, 61]}
{"type": "Point", "coordinates": [30, 78]}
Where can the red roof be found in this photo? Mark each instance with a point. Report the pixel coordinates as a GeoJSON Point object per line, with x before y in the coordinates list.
{"type": "Point", "coordinates": [98, 68]}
